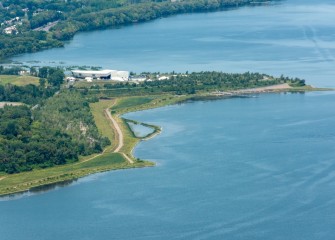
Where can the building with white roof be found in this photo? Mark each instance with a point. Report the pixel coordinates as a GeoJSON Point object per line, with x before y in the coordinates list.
{"type": "Point", "coordinates": [10, 30]}
{"type": "Point", "coordinates": [102, 74]}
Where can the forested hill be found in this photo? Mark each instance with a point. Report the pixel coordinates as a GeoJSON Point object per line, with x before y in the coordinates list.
{"type": "Point", "coordinates": [33, 25]}
{"type": "Point", "coordinates": [56, 132]}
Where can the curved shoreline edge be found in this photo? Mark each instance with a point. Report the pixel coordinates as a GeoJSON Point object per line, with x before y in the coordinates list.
{"type": "Point", "coordinates": [69, 172]}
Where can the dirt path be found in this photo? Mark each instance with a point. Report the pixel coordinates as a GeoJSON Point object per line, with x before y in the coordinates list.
{"type": "Point", "coordinates": [118, 131]}
{"type": "Point", "coordinates": [91, 158]}
{"type": "Point", "coordinates": [1, 178]}
{"type": "Point", "coordinates": [46, 27]}
{"type": "Point", "coordinates": [153, 135]}
{"type": "Point", "coordinates": [264, 89]}
{"type": "Point", "coordinates": [119, 134]}
{"type": "Point", "coordinates": [128, 158]}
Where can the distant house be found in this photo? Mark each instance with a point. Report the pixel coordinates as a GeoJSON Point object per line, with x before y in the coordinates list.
{"type": "Point", "coordinates": [70, 79]}
{"type": "Point", "coordinates": [163, 78]}
{"type": "Point", "coordinates": [102, 74]}
{"type": "Point", "coordinates": [10, 30]}
{"type": "Point", "coordinates": [140, 78]}
{"type": "Point", "coordinates": [88, 79]}
{"type": "Point", "coordinates": [23, 72]}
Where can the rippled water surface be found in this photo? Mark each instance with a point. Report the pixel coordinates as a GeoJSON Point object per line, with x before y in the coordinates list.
{"type": "Point", "coordinates": [248, 168]}
{"type": "Point", "coordinates": [242, 168]}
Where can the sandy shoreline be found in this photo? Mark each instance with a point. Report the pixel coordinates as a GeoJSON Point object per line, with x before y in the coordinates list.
{"type": "Point", "coordinates": [271, 88]}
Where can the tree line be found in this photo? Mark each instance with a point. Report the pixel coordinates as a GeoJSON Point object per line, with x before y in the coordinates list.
{"type": "Point", "coordinates": [190, 83]}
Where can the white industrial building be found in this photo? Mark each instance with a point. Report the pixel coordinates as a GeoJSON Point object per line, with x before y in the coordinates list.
{"type": "Point", "coordinates": [102, 74]}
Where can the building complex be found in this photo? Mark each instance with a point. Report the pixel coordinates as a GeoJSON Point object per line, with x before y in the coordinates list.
{"type": "Point", "coordinates": [101, 74]}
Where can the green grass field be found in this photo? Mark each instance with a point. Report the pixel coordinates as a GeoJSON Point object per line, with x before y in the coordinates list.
{"type": "Point", "coordinates": [131, 102]}
{"type": "Point", "coordinates": [18, 80]}
{"type": "Point", "coordinates": [103, 124]}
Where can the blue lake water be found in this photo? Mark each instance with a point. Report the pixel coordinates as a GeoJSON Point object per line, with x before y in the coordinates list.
{"type": "Point", "coordinates": [242, 168]}
{"type": "Point", "coordinates": [248, 168]}
{"type": "Point", "coordinates": [295, 38]}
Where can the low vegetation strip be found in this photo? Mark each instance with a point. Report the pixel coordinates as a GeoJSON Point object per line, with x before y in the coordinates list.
{"type": "Point", "coordinates": [155, 129]}
{"type": "Point", "coordinates": [104, 125]}
{"type": "Point", "coordinates": [24, 181]}
{"type": "Point", "coordinates": [18, 80]}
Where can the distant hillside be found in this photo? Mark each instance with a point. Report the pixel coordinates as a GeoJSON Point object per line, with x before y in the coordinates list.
{"type": "Point", "coordinates": [34, 25]}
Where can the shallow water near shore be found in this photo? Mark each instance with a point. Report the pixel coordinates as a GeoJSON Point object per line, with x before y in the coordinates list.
{"type": "Point", "coordinates": [140, 130]}
{"type": "Point", "coordinates": [240, 168]}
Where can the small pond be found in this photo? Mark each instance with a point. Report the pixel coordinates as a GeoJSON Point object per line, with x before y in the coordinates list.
{"type": "Point", "coordinates": [140, 130]}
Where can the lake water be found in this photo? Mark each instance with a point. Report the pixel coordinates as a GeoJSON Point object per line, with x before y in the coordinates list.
{"type": "Point", "coordinates": [242, 168]}
{"type": "Point", "coordinates": [296, 38]}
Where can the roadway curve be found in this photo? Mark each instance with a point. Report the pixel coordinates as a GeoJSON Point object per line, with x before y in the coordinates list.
{"type": "Point", "coordinates": [120, 139]}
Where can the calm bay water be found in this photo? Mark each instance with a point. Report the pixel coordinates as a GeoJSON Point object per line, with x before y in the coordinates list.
{"type": "Point", "coordinates": [248, 168]}
{"type": "Point", "coordinates": [296, 38]}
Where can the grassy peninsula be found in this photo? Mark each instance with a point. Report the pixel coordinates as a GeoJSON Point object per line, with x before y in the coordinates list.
{"type": "Point", "coordinates": [100, 162]}
{"type": "Point", "coordinates": [79, 130]}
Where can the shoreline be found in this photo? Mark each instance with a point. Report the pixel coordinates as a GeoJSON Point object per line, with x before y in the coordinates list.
{"type": "Point", "coordinates": [258, 90]}
{"type": "Point", "coordinates": [126, 150]}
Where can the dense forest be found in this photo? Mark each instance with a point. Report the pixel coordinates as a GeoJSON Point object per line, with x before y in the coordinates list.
{"type": "Point", "coordinates": [33, 25]}
{"type": "Point", "coordinates": [29, 94]}
{"type": "Point", "coordinates": [54, 127]}
{"type": "Point", "coordinates": [55, 133]}
{"type": "Point", "coordinates": [26, 144]}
